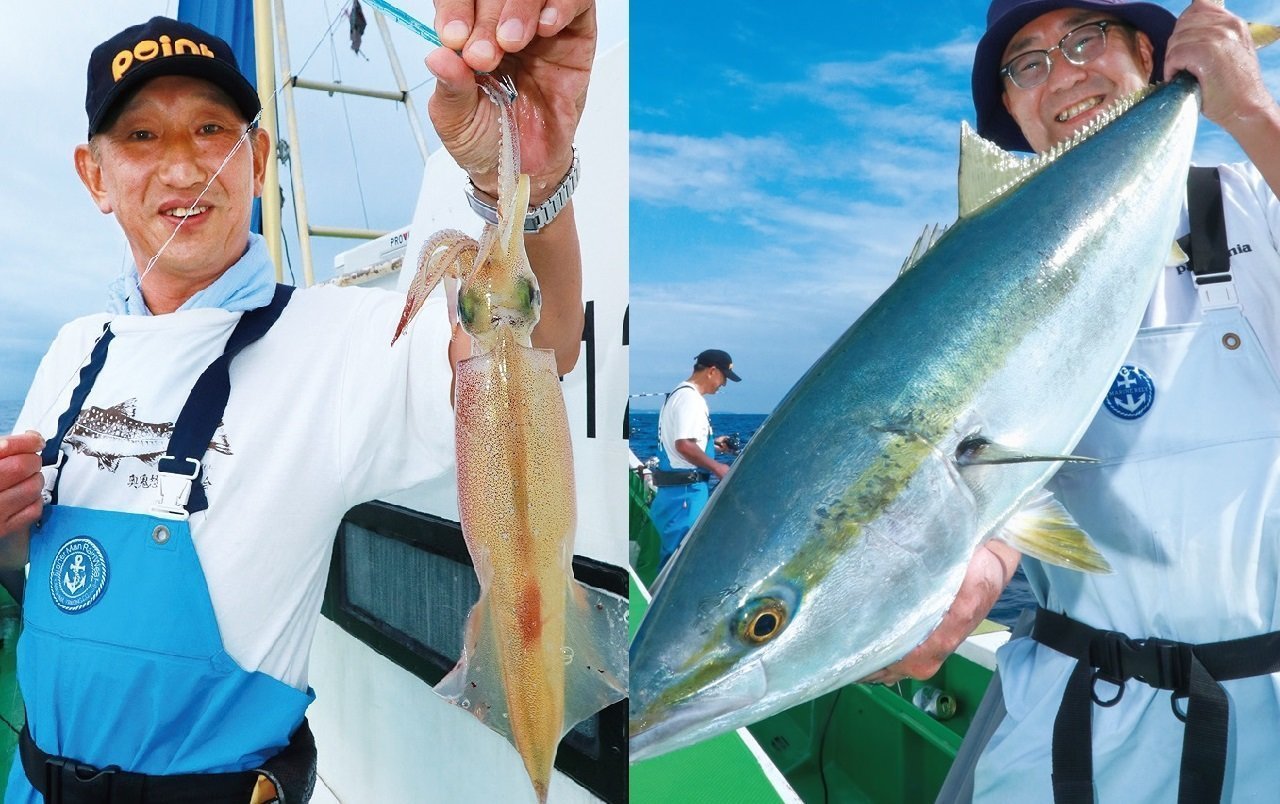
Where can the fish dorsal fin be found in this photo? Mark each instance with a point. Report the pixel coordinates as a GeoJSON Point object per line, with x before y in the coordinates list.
{"type": "Point", "coordinates": [930, 235]}
{"type": "Point", "coordinates": [129, 407]}
{"type": "Point", "coordinates": [1045, 530]}
{"type": "Point", "coordinates": [987, 171]}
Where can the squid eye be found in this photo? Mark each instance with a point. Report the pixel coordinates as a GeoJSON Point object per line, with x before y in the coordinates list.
{"type": "Point", "coordinates": [761, 620]}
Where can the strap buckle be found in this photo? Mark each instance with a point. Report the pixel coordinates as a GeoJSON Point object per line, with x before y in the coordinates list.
{"type": "Point", "coordinates": [50, 474]}
{"type": "Point", "coordinates": [68, 781]}
{"type": "Point", "coordinates": [1162, 663]}
{"type": "Point", "coordinates": [175, 489]}
{"type": "Point", "coordinates": [1217, 291]}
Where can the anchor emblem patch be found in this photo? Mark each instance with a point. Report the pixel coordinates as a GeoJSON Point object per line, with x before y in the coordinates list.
{"type": "Point", "coordinates": [1132, 393]}
{"type": "Point", "coordinates": [78, 576]}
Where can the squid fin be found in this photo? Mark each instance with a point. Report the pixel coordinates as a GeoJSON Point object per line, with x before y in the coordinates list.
{"type": "Point", "coordinates": [596, 637]}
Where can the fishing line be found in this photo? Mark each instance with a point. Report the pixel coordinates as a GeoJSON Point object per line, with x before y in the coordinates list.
{"type": "Point", "coordinates": [253, 124]}
{"type": "Point", "coordinates": [408, 21]}
{"type": "Point", "coordinates": [335, 73]}
{"type": "Point", "coordinates": [151, 263]}
{"type": "Point", "coordinates": [822, 746]}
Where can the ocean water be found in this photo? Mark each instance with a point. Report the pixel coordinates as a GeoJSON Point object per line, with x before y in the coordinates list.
{"type": "Point", "coordinates": [644, 443]}
{"type": "Point", "coordinates": [9, 410]}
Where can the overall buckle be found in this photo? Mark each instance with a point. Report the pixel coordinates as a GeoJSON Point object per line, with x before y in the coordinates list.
{"type": "Point", "coordinates": [71, 782]}
{"type": "Point", "coordinates": [1163, 663]}
{"type": "Point", "coordinates": [175, 489]}
{"type": "Point", "coordinates": [1217, 291]}
{"type": "Point", "coordinates": [50, 475]}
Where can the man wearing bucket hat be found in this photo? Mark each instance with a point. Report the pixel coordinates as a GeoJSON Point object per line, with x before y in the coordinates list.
{"type": "Point", "coordinates": [1159, 676]}
{"type": "Point", "coordinates": [185, 469]}
{"type": "Point", "coordinates": [686, 450]}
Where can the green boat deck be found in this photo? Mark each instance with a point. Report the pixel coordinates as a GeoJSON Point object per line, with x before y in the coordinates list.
{"type": "Point", "coordinates": [11, 708]}
{"type": "Point", "coordinates": [861, 743]}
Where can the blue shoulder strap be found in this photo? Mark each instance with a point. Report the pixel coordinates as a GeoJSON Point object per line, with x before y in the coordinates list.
{"type": "Point", "coordinates": [202, 414]}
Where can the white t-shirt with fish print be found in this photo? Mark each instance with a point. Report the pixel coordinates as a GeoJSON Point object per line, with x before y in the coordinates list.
{"type": "Point", "coordinates": [324, 414]}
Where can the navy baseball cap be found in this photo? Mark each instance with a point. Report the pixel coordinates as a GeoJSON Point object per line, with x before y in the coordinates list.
{"type": "Point", "coordinates": [720, 359]}
{"type": "Point", "coordinates": [161, 46]}
{"type": "Point", "coordinates": [1006, 17]}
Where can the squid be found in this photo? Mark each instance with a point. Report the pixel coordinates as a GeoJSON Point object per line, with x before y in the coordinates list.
{"type": "Point", "coordinates": [541, 652]}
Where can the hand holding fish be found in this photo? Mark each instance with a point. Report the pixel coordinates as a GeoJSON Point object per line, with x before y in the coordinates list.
{"type": "Point", "coordinates": [986, 577]}
{"type": "Point", "coordinates": [547, 48]}
{"type": "Point", "coordinates": [1216, 47]}
{"type": "Point", "coordinates": [20, 482]}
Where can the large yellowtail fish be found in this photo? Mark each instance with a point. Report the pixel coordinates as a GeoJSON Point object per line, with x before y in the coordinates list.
{"type": "Point", "coordinates": [541, 652]}
{"type": "Point", "coordinates": [842, 534]}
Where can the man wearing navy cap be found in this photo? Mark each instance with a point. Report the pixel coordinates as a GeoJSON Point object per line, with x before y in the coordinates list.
{"type": "Point", "coordinates": [1125, 689]}
{"type": "Point", "coordinates": [687, 450]}
{"type": "Point", "coordinates": [185, 467]}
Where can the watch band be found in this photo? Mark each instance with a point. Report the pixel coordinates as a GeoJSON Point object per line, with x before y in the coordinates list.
{"type": "Point", "coordinates": [541, 215]}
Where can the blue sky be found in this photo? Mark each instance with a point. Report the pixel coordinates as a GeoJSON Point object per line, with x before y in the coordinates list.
{"type": "Point", "coordinates": [782, 166]}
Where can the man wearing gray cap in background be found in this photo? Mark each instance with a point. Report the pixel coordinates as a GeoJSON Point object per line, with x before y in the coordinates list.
{"type": "Point", "coordinates": [1124, 688]}
{"type": "Point", "coordinates": [686, 450]}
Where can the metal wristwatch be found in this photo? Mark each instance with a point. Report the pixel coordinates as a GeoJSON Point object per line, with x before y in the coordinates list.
{"type": "Point", "coordinates": [538, 217]}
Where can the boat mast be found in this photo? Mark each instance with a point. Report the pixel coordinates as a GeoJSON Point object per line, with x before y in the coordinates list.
{"type": "Point", "coordinates": [266, 74]}
{"type": "Point", "coordinates": [288, 81]}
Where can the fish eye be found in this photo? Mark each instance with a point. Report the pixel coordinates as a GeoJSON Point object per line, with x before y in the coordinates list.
{"type": "Point", "coordinates": [761, 620]}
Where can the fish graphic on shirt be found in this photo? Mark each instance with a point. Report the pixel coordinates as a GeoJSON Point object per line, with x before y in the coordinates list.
{"type": "Point", "coordinates": [112, 434]}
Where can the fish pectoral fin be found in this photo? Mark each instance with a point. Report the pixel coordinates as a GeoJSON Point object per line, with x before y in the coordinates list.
{"type": "Point", "coordinates": [1177, 256]}
{"type": "Point", "coordinates": [1045, 530]}
{"type": "Point", "coordinates": [1263, 34]}
{"type": "Point", "coordinates": [978, 450]}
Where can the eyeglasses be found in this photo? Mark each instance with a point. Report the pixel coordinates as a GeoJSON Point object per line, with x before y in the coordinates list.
{"type": "Point", "coordinates": [1079, 46]}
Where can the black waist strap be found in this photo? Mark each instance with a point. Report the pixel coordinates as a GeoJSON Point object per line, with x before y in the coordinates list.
{"type": "Point", "coordinates": [64, 781]}
{"type": "Point", "coordinates": [680, 477]}
{"type": "Point", "coordinates": [1193, 672]}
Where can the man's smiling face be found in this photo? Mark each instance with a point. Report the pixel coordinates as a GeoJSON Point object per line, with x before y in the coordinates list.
{"type": "Point", "coordinates": [1074, 93]}
{"type": "Point", "coordinates": [150, 165]}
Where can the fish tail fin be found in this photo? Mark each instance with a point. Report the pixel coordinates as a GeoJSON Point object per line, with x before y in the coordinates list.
{"type": "Point", "coordinates": [1263, 34]}
{"type": "Point", "coordinates": [596, 636]}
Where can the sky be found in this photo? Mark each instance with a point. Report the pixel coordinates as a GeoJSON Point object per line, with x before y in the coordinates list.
{"type": "Point", "coordinates": [782, 167]}
{"type": "Point", "coordinates": [60, 252]}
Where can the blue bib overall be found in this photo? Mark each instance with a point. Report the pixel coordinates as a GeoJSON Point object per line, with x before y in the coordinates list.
{"type": "Point", "coordinates": [121, 662]}
{"type": "Point", "coordinates": [675, 508]}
